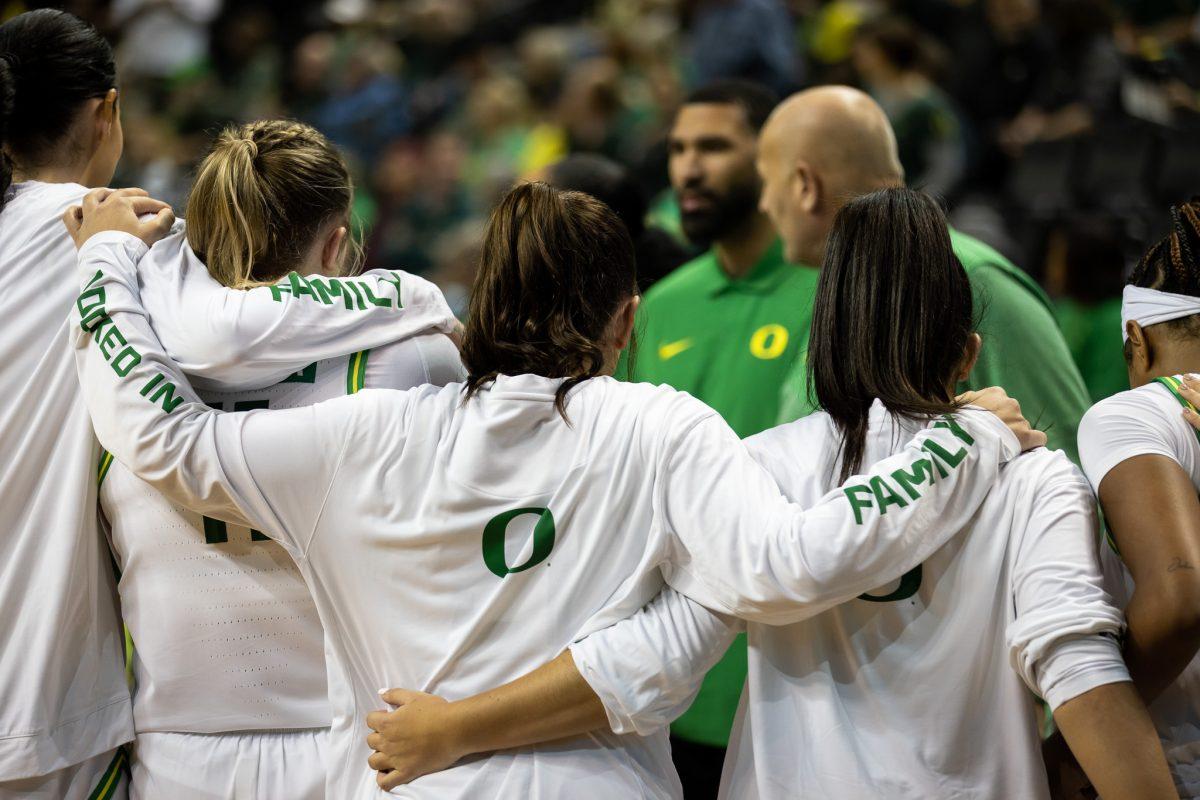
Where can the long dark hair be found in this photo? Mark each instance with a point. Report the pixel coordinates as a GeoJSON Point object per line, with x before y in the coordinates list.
{"type": "Point", "coordinates": [892, 315]}
{"type": "Point", "coordinates": [50, 63]}
{"type": "Point", "coordinates": [555, 268]}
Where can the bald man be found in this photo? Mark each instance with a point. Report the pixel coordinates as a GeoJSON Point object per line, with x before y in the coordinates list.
{"type": "Point", "coordinates": [824, 146]}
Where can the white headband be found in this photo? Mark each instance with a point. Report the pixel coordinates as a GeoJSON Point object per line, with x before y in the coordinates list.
{"type": "Point", "coordinates": [1150, 307]}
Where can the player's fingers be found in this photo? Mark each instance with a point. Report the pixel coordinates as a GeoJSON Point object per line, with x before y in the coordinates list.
{"type": "Point", "coordinates": [400, 697]}
{"type": "Point", "coordinates": [130, 191]}
{"type": "Point", "coordinates": [1190, 389]}
{"type": "Point", "coordinates": [162, 222]}
{"type": "Point", "coordinates": [390, 780]}
{"type": "Point", "coordinates": [94, 198]}
{"type": "Point", "coordinates": [73, 219]}
{"type": "Point", "coordinates": [375, 741]}
{"type": "Point", "coordinates": [146, 205]}
{"type": "Point", "coordinates": [1192, 418]}
{"type": "Point", "coordinates": [376, 719]}
{"type": "Point", "coordinates": [379, 761]}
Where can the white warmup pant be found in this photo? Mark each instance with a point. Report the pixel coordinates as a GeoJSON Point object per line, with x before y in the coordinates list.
{"type": "Point", "coordinates": [102, 777]}
{"type": "Point", "coordinates": [261, 765]}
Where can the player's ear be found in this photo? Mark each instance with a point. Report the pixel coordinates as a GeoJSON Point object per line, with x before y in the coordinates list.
{"type": "Point", "coordinates": [1140, 353]}
{"type": "Point", "coordinates": [333, 251]}
{"type": "Point", "coordinates": [105, 118]}
{"type": "Point", "coordinates": [970, 356]}
{"type": "Point", "coordinates": [623, 322]}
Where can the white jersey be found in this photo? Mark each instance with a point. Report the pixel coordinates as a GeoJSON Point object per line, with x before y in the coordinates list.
{"type": "Point", "coordinates": [226, 635]}
{"type": "Point", "coordinates": [63, 690]}
{"type": "Point", "coordinates": [1147, 421]}
{"type": "Point", "coordinates": [63, 697]}
{"type": "Point", "coordinates": [451, 546]}
{"type": "Point", "coordinates": [919, 688]}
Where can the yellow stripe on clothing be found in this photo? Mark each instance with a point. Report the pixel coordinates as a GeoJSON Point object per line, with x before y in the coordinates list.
{"type": "Point", "coordinates": [107, 787]}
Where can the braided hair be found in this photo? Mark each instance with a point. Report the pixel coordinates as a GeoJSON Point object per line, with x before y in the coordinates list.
{"type": "Point", "coordinates": [1173, 263]}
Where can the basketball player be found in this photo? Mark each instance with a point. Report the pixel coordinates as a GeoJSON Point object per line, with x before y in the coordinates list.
{"type": "Point", "coordinates": [499, 519]}
{"type": "Point", "coordinates": [66, 706]}
{"type": "Point", "coordinates": [231, 698]}
{"type": "Point", "coordinates": [1144, 462]}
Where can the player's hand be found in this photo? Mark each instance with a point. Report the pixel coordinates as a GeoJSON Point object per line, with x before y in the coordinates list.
{"type": "Point", "coordinates": [1190, 391]}
{"type": "Point", "coordinates": [997, 401]}
{"type": "Point", "coordinates": [417, 738]}
{"type": "Point", "coordinates": [119, 210]}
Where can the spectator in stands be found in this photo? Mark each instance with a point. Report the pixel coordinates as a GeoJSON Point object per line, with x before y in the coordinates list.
{"type": "Point", "coordinates": [1081, 83]}
{"type": "Point", "coordinates": [747, 39]}
{"type": "Point", "coordinates": [897, 65]}
{"type": "Point", "coordinates": [419, 196]}
{"type": "Point", "coordinates": [369, 105]}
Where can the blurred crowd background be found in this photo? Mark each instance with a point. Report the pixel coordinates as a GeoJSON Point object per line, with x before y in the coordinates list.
{"type": "Point", "coordinates": [1055, 130]}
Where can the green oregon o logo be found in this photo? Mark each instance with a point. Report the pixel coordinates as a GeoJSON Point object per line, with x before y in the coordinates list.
{"type": "Point", "coordinates": [910, 582]}
{"type": "Point", "coordinates": [496, 529]}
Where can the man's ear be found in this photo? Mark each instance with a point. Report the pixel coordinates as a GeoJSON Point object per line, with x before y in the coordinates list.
{"type": "Point", "coordinates": [807, 186]}
{"type": "Point", "coordinates": [624, 321]}
{"type": "Point", "coordinates": [970, 356]}
{"type": "Point", "coordinates": [333, 252]}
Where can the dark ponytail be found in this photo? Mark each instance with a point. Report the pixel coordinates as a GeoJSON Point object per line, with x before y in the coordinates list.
{"type": "Point", "coordinates": [891, 318]}
{"type": "Point", "coordinates": [50, 63]}
{"type": "Point", "coordinates": [556, 267]}
{"type": "Point", "coordinates": [7, 95]}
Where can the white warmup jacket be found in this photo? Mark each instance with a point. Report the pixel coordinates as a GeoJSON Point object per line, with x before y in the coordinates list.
{"type": "Point", "coordinates": [63, 696]}
{"type": "Point", "coordinates": [453, 546]}
{"type": "Point", "coordinates": [919, 688]}
{"type": "Point", "coordinates": [225, 633]}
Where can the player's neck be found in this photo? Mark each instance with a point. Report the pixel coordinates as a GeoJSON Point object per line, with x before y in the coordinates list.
{"type": "Point", "coordinates": [1179, 358]}
{"type": "Point", "coordinates": [52, 173]}
{"type": "Point", "coordinates": [741, 249]}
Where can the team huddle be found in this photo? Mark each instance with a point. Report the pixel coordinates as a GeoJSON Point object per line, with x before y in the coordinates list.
{"type": "Point", "coordinates": [358, 547]}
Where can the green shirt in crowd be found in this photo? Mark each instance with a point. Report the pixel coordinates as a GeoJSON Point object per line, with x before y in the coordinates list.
{"type": "Point", "coordinates": [1023, 349]}
{"type": "Point", "coordinates": [1093, 333]}
{"type": "Point", "coordinates": [729, 342]}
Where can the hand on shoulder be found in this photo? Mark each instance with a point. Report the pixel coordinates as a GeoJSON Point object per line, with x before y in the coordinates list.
{"type": "Point", "coordinates": [131, 211]}
{"type": "Point", "coordinates": [997, 401]}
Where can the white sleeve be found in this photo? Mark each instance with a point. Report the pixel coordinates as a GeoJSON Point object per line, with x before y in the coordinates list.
{"type": "Point", "coordinates": [647, 669]}
{"type": "Point", "coordinates": [230, 339]}
{"type": "Point", "coordinates": [270, 470]}
{"type": "Point", "coordinates": [1121, 427]}
{"type": "Point", "coordinates": [739, 547]}
{"type": "Point", "coordinates": [1063, 639]}
{"type": "Point", "coordinates": [430, 358]}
